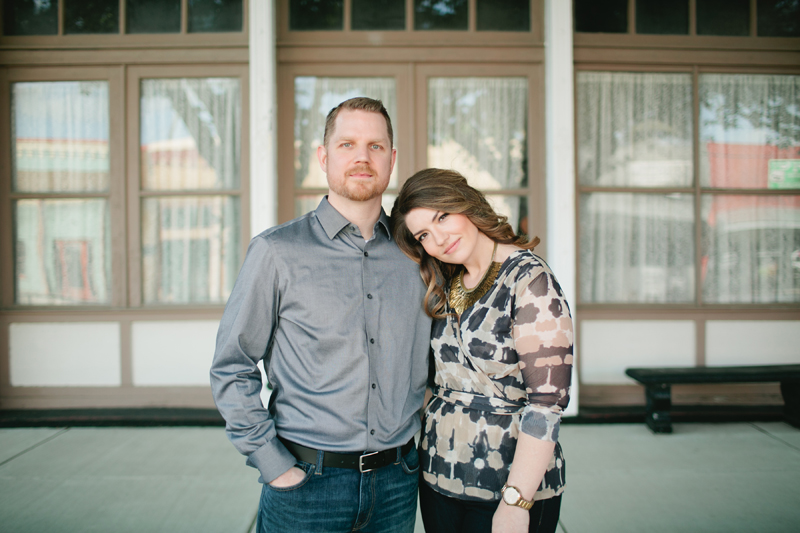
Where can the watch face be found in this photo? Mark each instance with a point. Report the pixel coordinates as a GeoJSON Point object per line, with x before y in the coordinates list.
{"type": "Point", "coordinates": [511, 496]}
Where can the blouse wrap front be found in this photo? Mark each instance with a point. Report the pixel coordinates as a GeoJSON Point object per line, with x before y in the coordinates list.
{"type": "Point", "coordinates": [503, 367]}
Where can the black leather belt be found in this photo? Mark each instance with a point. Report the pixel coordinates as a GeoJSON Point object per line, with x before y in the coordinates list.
{"type": "Point", "coordinates": [363, 462]}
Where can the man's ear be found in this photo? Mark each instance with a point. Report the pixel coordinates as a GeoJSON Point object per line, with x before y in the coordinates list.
{"type": "Point", "coordinates": [394, 158]}
{"type": "Point", "coordinates": [322, 155]}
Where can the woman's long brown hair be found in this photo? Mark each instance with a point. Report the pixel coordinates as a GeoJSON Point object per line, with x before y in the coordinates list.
{"type": "Point", "coordinates": [446, 191]}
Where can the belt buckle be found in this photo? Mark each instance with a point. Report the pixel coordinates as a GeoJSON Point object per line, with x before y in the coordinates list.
{"type": "Point", "coordinates": [361, 462]}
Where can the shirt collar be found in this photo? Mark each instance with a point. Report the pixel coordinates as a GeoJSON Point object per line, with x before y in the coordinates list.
{"type": "Point", "coordinates": [333, 221]}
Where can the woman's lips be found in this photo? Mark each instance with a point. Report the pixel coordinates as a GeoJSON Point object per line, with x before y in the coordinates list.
{"type": "Point", "coordinates": [452, 247]}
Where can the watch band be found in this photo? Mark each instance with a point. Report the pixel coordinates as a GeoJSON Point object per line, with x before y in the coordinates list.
{"type": "Point", "coordinates": [520, 502]}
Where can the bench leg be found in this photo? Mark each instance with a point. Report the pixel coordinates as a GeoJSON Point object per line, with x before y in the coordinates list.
{"type": "Point", "coordinates": [791, 401]}
{"type": "Point", "coordinates": [658, 404]}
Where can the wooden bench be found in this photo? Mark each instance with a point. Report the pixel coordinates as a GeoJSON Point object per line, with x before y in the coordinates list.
{"type": "Point", "coordinates": [658, 384]}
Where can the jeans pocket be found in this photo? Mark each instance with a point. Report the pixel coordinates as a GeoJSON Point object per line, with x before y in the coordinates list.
{"type": "Point", "coordinates": [308, 468]}
{"type": "Point", "coordinates": [410, 462]}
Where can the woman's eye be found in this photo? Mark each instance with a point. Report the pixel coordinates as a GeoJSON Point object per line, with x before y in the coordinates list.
{"type": "Point", "coordinates": [444, 216]}
{"type": "Point", "coordinates": [422, 237]}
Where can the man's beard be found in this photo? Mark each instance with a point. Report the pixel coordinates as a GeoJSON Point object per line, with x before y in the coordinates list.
{"type": "Point", "coordinates": [360, 191]}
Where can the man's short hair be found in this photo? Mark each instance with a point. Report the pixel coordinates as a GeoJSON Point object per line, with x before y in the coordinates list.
{"type": "Point", "coordinates": [360, 103]}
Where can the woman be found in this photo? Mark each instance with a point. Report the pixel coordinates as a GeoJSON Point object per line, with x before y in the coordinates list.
{"type": "Point", "coordinates": [502, 346]}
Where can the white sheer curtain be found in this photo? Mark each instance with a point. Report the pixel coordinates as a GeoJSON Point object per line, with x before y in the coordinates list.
{"type": "Point", "coordinates": [635, 132]}
{"type": "Point", "coordinates": [190, 142]}
{"type": "Point", "coordinates": [634, 129]}
{"type": "Point", "coordinates": [314, 97]}
{"type": "Point", "coordinates": [59, 144]}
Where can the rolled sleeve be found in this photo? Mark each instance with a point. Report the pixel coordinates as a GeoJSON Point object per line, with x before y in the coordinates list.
{"type": "Point", "coordinates": [244, 338]}
{"type": "Point", "coordinates": [543, 339]}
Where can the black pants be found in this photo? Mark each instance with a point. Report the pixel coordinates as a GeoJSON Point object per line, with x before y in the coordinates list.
{"type": "Point", "coordinates": [442, 514]}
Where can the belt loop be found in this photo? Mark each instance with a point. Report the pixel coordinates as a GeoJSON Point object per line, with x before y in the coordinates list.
{"type": "Point", "coordinates": [320, 460]}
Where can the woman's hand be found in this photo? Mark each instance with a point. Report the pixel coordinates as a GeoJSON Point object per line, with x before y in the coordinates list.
{"type": "Point", "coordinates": [510, 519]}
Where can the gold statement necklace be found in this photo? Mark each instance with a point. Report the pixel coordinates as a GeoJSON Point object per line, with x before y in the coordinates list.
{"type": "Point", "coordinates": [461, 298]}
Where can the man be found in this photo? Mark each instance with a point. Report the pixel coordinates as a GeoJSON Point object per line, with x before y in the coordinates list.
{"type": "Point", "coordinates": [334, 310]}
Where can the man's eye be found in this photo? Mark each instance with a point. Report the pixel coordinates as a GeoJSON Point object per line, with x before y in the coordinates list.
{"type": "Point", "coordinates": [376, 146]}
{"type": "Point", "coordinates": [346, 145]}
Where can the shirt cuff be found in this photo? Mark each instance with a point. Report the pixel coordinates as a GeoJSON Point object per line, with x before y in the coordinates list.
{"type": "Point", "coordinates": [541, 423]}
{"type": "Point", "coordinates": [271, 460]}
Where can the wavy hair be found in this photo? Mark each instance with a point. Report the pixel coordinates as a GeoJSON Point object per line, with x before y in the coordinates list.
{"type": "Point", "coordinates": [446, 191]}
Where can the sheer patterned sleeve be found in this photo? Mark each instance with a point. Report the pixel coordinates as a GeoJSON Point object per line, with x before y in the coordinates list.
{"type": "Point", "coordinates": [543, 339]}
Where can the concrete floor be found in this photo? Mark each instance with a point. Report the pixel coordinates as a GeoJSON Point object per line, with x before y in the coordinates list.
{"type": "Point", "coordinates": [702, 478]}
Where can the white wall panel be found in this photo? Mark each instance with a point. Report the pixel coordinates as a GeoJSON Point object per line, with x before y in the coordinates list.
{"type": "Point", "coordinates": [756, 342]}
{"type": "Point", "coordinates": [173, 353]}
{"type": "Point", "coordinates": [61, 354]}
{"type": "Point", "coordinates": [608, 347]}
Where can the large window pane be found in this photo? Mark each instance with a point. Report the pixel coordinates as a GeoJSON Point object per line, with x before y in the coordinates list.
{"type": "Point", "coordinates": [190, 133]}
{"type": "Point", "coordinates": [59, 136]}
{"type": "Point", "coordinates": [62, 251]}
{"type": "Point", "coordinates": [749, 131]}
{"type": "Point", "coordinates": [478, 126]}
{"type": "Point", "coordinates": [751, 249]}
{"type": "Point", "coordinates": [91, 16]}
{"type": "Point", "coordinates": [441, 14]}
{"type": "Point", "coordinates": [636, 248]}
{"type": "Point", "coordinates": [190, 249]}
{"type": "Point", "coordinates": [314, 97]}
{"type": "Point", "coordinates": [30, 17]}
{"type": "Point", "coordinates": [215, 15]}
{"type": "Point", "coordinates": [634, 129]}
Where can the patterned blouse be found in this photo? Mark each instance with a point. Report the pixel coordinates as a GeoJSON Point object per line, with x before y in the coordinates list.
{"type": "Point", "coordinates": [515, 377]}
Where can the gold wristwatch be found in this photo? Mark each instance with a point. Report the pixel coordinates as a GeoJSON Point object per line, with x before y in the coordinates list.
{"type": "Point", "coordinates": [512, 496]}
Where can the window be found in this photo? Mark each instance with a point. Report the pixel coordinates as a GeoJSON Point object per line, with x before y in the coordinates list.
{"type": "Point", "coordinates": [658, 226]}
{"type": "Point", "coordinates": [774, 18]}
{"type": "Point", "coordinates": [43, 17]}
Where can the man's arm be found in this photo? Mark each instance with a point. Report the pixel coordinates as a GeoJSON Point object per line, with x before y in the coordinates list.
{"type": "Point", "coordinates": [245, 334]}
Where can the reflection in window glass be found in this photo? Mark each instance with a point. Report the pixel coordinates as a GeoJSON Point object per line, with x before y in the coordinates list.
{"type": "Point", "coordinates": [751, 249]}
{"type": "Point", "coordinates": [513, 207]}
{"type": "Point", "coordinates": [67, 259]}
{"type": "Point", "coordinates": [509, 15]}
{"type": "Point", "coordinates": [441, 14]}
{"type": "Point", "coordinates": [316, 14]}
{"type": "Point", "coordinates": [190, 248]}
{"type": "Point", "coordinates": [153, 16]}
{"type": "Point", "coordinates": [478, 126]}
{"type": "Point", "coordinates": [314, 97]}
{"type": "Point", "coordinates": [778, 18]}
{"type": "Point", "coordinates": [723, 17]}
{"type": "Point", "coordinates": [749, 131]}
{"type": "Point", "coordinates": [636, 248]}
{"type": "Point", "coordinates": [601, 16]}
{"type": "Point", "coordinates": [91, 16]}
{"type": "Point", "coordinates": [30, 17]}
{"type": "Point", "coordinates": [215, 15]}
{"type": "Point", "coordinates": [378, 15]}
{"type": "Point", "coordinates": [662, 18]}
{"type": "Point", "coordinates": [634, 129]}
{"type": "Point", "coordinates": [190, 133]}
{"type": "Point", "coordinates": [59, 136]}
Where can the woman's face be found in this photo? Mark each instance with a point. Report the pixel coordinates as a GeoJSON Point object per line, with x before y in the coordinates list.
{"type": "Point", "coordinates": [450, 238]}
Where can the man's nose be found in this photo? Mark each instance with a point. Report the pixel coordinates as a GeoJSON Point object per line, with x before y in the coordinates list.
{"type": "Point", "coordinates": [362, 153]}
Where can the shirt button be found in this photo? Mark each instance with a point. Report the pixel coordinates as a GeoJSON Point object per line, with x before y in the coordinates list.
{"type": "Point", "coordinates": [374, 386]}
{"type": "Point", "coordinates": [366, 254]}
{"type": "Point", "coordinates": [371, 431]}
{"type": "Point", "coordinates": [369, 296]}
{"type": "Point", "coordinates": [372, 341]}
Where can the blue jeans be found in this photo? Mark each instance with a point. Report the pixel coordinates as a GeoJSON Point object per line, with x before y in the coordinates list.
{"type": "Point", "coordinates": [341, 499]}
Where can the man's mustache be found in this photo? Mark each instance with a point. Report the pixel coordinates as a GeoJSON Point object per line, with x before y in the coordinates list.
{"type": "Point", "coordinates": [361, 169]}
